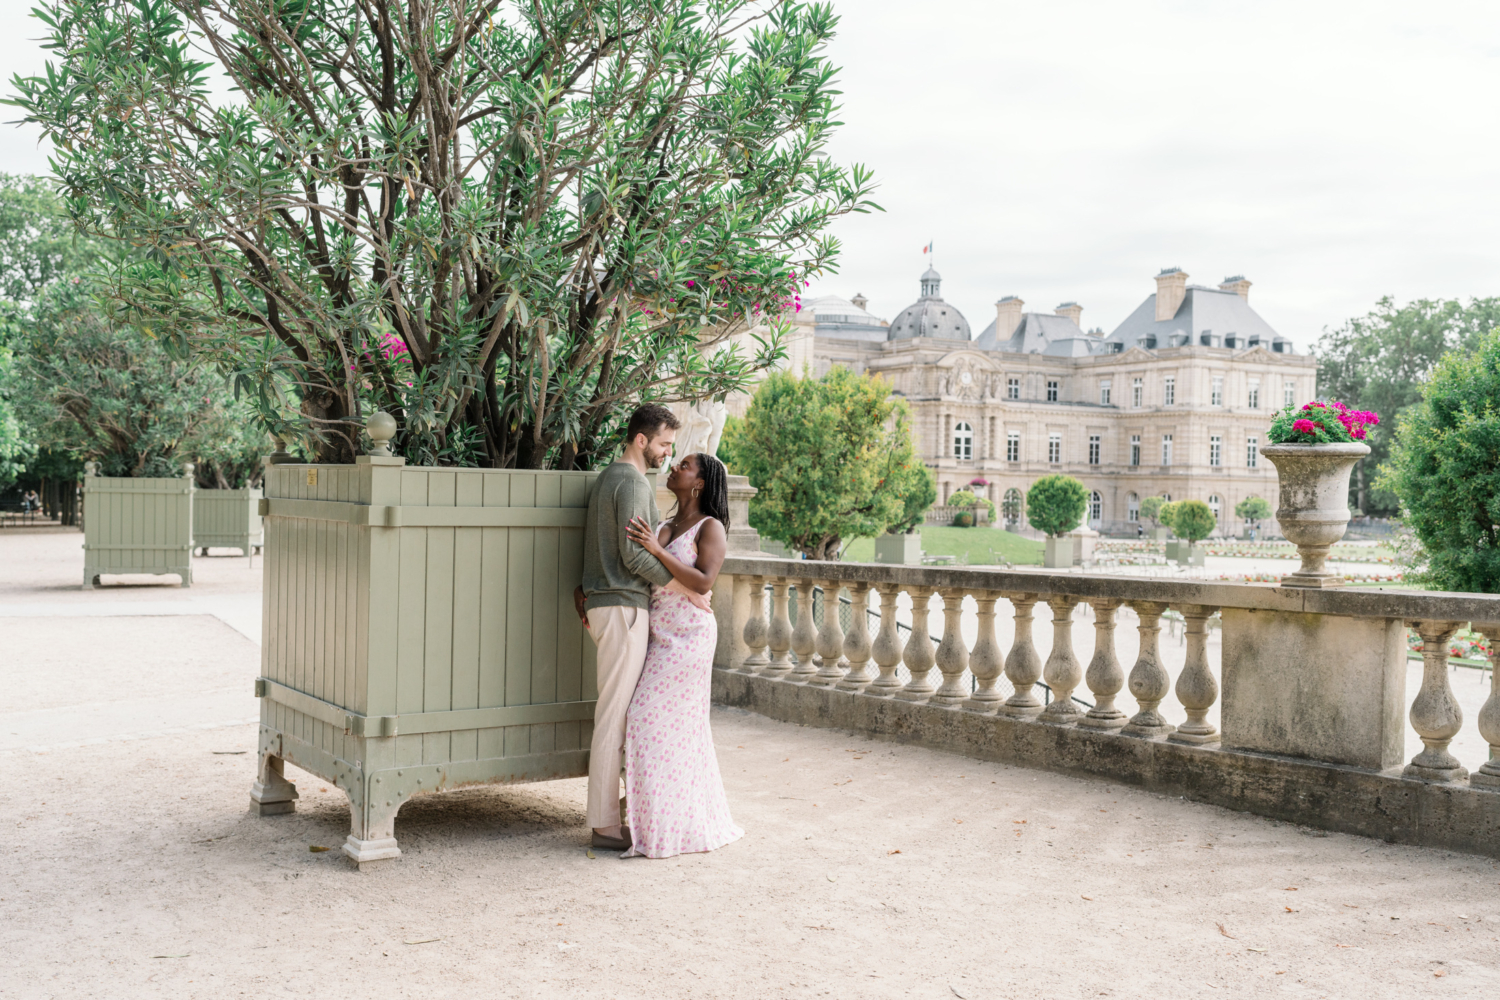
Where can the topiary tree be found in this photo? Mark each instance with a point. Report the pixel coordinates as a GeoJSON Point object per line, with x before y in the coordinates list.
{"type": "Point", "coordinates": [1151, 510]}
{"type": "Point", "coordinates": [966, 498]}
{"type": "Point", "coordinates": [1252, 509]}
{"type": "Point", "coordinates": [1055, 504]}
{"type": "Point", "coordinates": [832, 458]}
{"type": "Point", "coordinates": [1192, 520]}
{"type": "Point", "coordinates": [1445, 468]}
{"type": "Point", "coordinates": [1167, 514]}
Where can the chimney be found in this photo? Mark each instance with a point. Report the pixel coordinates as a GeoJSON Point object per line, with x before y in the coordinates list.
{"type": "Point", "coordinates": [1007, 316]}
{"type": "Point", "coordinates": [1236, 284]}
{"type": "Point", "coordinates": [1072, 310]}
{"type": "Point", "coordinates": [859, 300]}
{"type": "Point", "coordinates": [1171, 289]}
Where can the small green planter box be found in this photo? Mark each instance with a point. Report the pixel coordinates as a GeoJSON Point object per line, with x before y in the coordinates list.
{"type": "Point", "coordinates": [420, 635]}
{"type": "Point", "coordinates": [900, 550]}
{"type": "Point", "coordinates": [1057, 553]}
{"type": "Point", "coordinates": [227, 519]}
{"type": "Point", "coordinates": [136, 526]}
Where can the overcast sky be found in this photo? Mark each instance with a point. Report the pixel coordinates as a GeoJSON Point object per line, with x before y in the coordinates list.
{"type": "Point", "coordinates": [1333, 151]}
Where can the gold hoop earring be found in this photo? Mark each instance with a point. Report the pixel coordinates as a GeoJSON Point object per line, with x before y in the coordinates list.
{"type": "Point", "coordinates": [696, 492]}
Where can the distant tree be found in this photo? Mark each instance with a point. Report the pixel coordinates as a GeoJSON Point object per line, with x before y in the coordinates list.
{"type": "Point", "coordinates": [556, 209]}
{"type": "Point", "coordinates": [1151, 510]}
{"type": "Point", "coordinates": [15, 449]}
{"type": "Point", "coordinates": [968, 498]}
{"type": "Point", "coordinates": [88, 388]}
{"type": "Point", "coordinates": [918, 489]}
{"type": "Point", "coordinates": [832, 458]}
{"type": "Point", "coordinates": [1380, 362]}
{"type": "Point", "coordinates": [1055, 504]}
{"type": "Point", "coordinates": [1252, 509]}
{"type": "Point", "coordinates": [1193, 520]}
{"type": "Point", "coordinates": [1445, 468]}
{"type": "Point", "coordinates": [1168, 513]}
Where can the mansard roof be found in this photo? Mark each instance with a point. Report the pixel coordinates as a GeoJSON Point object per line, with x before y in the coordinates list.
{"type": "Point", "coordinates": [1041, 333]}
{"type": "Point", "coordinates": [1210, 313]}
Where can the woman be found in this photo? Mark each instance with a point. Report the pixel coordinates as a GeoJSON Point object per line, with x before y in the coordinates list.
{"type": "Point", "coordinates": [674, 796]}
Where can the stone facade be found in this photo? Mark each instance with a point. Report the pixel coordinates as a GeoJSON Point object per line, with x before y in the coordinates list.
{"type": "Point", "coordinates": [1166, 405]}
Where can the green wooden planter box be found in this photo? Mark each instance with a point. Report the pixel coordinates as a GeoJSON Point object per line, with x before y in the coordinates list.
{"type": "Point", "coordinates": [136, 526]}
{"type": "Point", "coordinates": [419, 635]}
{"type": "Point", "coordinates": [227, 519]}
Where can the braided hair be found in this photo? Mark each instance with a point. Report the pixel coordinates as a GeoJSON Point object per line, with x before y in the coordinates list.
{"type": "Point", "coordinates": [714, 500]}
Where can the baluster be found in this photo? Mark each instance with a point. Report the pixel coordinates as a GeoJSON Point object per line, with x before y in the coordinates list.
{"type": "Point", "coordinates": [917, 654]}
{"type": "Point", "coordinates": [952, 654]}
{"type": "Point", "coordinates": [804, 634]}
{"type": "Point", "coordinates": [986, 662]}
{"type": "Point", "coordinates": [1104, 676]}
{"type": "Point", "coordinates": [1024, 665]}
{"type": "Point", "coordinates": [857, 641]}
{"type": "Point", "coordinates": [1196, 687]}
{"type": "Point", "coordinates": [886, 650]}
{"type": "Point", "coordinates": [1149, 681]}
{"type": "Point", "coordinates": [1435, 714]}
{"type": "Point", "coordinates": [780, 636]}
{"type": "Point", "coordinates": [1063, 671]}
{"type": "Point", "coordinates": [1488, 775]}
{"type": "Point", "coordinates": [757, 630]}
{"type": "Point", "coordinates": [830, 638]}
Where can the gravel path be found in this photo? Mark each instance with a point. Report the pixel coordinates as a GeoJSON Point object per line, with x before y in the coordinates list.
{"type": "Point", "coordinates": [868, 870]}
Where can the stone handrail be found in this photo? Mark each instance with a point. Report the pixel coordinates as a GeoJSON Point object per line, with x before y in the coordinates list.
{"type": "Point", "coordinates": [1313, 704]}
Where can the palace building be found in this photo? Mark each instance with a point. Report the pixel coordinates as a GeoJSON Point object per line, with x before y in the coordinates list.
{"type": "Point", "coordinates": [1174, 402]}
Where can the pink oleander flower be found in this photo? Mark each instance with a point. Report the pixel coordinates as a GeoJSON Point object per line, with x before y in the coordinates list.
{"type": "Point", "coordinates": [1305, 426]}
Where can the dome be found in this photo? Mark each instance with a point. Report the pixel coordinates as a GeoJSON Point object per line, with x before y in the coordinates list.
{"type": "Point", "coordinates": [930, 316]}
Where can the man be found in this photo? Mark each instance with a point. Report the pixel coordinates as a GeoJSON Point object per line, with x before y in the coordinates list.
{"type": "Point", "coordinates": [614, 601]}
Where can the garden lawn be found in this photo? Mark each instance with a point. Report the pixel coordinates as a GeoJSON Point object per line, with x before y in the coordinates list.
{"type": "Point", "coordinates": [968, 546]}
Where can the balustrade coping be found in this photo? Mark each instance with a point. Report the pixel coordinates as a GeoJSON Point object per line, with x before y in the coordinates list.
{"type": "Point", "coordinates": [1362, 602]}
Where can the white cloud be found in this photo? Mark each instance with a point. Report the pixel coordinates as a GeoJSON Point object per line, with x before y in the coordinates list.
{"type": "Point", "coordinates": [1332, 151]}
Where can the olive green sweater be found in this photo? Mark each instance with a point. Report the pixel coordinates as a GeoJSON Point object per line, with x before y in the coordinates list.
{"type": "Point", "coordinates": [617, 571]}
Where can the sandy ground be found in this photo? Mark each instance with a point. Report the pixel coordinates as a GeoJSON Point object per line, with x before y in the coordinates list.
{"type": "Point", "coordinates": [134, 869]}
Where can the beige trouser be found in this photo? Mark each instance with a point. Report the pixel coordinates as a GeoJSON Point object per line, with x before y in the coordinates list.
{"type": "Point", "coordinates": [621, 634]}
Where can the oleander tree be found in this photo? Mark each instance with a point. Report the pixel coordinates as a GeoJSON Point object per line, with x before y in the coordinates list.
{"type": "Point", "coordinates": [832, 458]}
{"type": "Point", "coordinates": [502, 221]}
{"type": "Point", "coordinates": [1055, 504]}
{"type": "Point", "coordinates": [1445, 469]}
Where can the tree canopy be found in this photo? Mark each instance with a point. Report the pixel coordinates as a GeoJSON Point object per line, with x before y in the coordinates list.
{"type": "Point", "coordinates": [1191, 520]}
{"type": "Point", "coordinates": [832, 458]}
{"type": "Point", "coordinates": [1055, 504]}
{"type": "Point", "coordinates": [1445, 468]}
{"type": "Point", "coordinates": [1151, 509]}
{"type": "Point", "coordinates": [501, 221]}
{"type": "Point", "coordinates": [1380, 362]}
{"type": "Point", "coordinates": [1254, 509]}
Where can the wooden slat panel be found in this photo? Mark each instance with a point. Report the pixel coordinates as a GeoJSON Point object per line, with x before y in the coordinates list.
{"type": "Point", "coordinates": [437, 678]}
{"type": "Point", "coordinates": [468, 555]}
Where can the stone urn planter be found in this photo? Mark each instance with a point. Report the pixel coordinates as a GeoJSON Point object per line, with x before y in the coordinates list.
{"type": "Point", "coordinates": [1314, 504]}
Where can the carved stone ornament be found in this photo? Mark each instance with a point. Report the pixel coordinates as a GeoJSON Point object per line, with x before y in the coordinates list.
{"type": "Point", "coordinates": [965, 380]}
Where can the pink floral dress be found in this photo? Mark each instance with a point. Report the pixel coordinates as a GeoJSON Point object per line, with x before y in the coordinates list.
{"type": "Point", "coordinates": [675, 802]}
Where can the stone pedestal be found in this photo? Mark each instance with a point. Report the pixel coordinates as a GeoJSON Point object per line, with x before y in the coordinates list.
{"type": "Point", "coordinates": [743, 539]}
{"type": "Point", "coordinates": [1317, 686]}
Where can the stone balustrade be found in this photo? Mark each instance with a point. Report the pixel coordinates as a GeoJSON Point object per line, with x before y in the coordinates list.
{"type": "Point", "coordinates": [1311, 716]}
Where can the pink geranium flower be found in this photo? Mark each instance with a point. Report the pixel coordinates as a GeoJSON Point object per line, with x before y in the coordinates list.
{"type": "Point", "coordinates": [1305, 426]}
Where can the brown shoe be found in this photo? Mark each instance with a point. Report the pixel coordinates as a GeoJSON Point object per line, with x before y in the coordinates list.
{"type": "Point", "coordinates": [621, 843]}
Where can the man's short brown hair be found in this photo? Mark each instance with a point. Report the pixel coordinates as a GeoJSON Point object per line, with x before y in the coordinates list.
{"type": "Point", "coordinates": [649, 419]}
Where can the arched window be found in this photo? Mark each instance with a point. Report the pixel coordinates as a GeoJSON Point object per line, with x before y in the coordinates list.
{"type": "Point", "coordinates": [1096, 509]}
{"type": "Point", "coordinates": [1132, 507]}
{"type": "Point", "coordinates": [963, 441]}
{"type": "Point", "coordinates": [1012, 506]}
